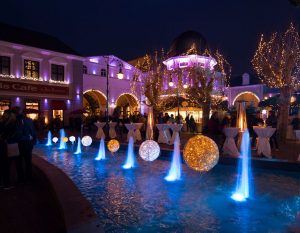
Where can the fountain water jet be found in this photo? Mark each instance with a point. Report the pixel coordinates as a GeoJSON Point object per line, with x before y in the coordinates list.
{"type": "Point", "coordinates": [101, 152]}
{"type": "Point", "coordinates": [175, 169]}
{"type": "Point", "coordinates": [62, 144]}
{"type": "Point", "coordinates": [130, 160]}
{"type": "Point", "coordinates": [49, 140]}
{"type": "Point", "coordinates": [243, 188]}
{"type": "Point", "coordinates": [78, 151]}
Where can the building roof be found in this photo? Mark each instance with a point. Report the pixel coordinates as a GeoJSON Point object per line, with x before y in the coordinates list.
{"type": "Point", "coordinates": [186, 41]}
{"type": "Point", "coordinates": [238, 80]}
{"type": "Point", "coordinates": [31, 38]}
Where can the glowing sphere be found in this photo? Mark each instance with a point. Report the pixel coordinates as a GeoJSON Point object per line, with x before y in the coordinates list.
{"type": "Point", "coordinates": [72, 139]}
{"type": "Point", "coordinates": [113, 145]}
{"type": "Point", "coordinates": [86, 141]}
{"type": "Point", "coordinates": [65, 139]}
{"type": "Point", "coordinates": [55, 139]}
{"type": "Point", "coordinates": [201, 153]}
{"type": "Point", "coordinates": [149, 150]}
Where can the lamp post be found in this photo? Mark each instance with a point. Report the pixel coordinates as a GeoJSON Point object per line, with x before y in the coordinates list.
{"type": "Point", "coordinates": [120, 75]}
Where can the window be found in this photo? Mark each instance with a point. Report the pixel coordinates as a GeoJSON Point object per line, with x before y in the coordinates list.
{"type": "Point", "coordinates": [32, 109]}
{"type": "Point", "coordinates": [57, 72]}
{"type": "Point", "coordinates": [103, 72]}
{"type": "Point", "coordinates": [32, 69]}
{"type": "Point", "coordinates": [4, 65]}
{"type": "Point", "coordinates": [84, 69]}
{"type": "Point", "coordinates": [4, 105]}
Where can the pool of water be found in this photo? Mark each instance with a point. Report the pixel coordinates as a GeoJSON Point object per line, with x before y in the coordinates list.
{"type": "Point", "coordinates": [140, 200]}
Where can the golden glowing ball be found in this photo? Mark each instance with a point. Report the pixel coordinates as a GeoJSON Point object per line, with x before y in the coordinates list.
{"type": "Point", "coordinates": [65, 139]}
{"type": "Point", "coordinates": [201, 153]}
{"type": "Point", "coordinates": [149, 150]}
{"type": "Point", "coordinates": [113, 145]}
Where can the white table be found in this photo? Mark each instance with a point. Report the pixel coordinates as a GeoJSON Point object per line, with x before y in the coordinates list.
{"type": "Point", "coordinates": [137, 132]}
{"type": "Point", "coordinates": [297, 134]}
{"type": "Point", "coordinates": [176, 128]}
{"type": "Point", "coordinates": [229, 147]}
{"type": "Point", "coordinates": [263, 144]}
{"type": "Point", "coordinates": [112, 129]}
{"type": "Point", "coordinates": [164, 133]}
{"type": "Point", "coordinates": [131, 128]}
{"type": "Point", "coordinates": [100, 134]}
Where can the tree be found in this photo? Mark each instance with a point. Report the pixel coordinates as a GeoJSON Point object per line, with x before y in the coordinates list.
{"type": "Point", "coordinates": [208, 85]}
{"type": "Point", "coordinates": [149, 80]}
{"type": "Point", "coordinates": [277, 63]}
{"type": "Point", "coordinates": [295, 3]}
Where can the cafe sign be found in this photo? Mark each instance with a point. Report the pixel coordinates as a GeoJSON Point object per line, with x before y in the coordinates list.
{"type": "Point", "coordinates": [30, 88]}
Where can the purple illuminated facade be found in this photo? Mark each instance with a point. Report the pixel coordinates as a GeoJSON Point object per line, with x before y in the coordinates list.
{"type": "Point", "coordinates": [39, 79]}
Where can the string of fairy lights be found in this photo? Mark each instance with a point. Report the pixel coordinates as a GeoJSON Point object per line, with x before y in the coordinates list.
{"type": "Point", "coordinates": [277, 60]}
{"type": "Point", "coordinates": [196, 83]}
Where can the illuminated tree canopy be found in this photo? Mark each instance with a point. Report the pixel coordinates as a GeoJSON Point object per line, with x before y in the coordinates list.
{"type": "Point", "coordinates": [277, 63]}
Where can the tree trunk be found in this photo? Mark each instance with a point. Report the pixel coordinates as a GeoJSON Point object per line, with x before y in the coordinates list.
{"type": "Point", "coordinates": [284, 104]}
{"type": "Point", "coordinates": [205, 118]}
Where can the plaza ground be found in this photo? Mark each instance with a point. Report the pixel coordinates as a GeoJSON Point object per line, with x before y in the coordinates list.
{"type": "Point", "coordinates": [32, 208]}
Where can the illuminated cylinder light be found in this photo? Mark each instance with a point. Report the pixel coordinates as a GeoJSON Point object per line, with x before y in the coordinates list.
{"type": "Point", "coordinates": [72, 139]}
{"type": "Point", "coordinates": [65, 139]}
{"type": "Point", "coordinates": [201, 153]}
{"type": "Point", "coordinates": [113, 145]}
{"type": "Point", "coordinates": [149, 150]}
{"type": "Point", "coordinates": [86, 141]}
{"type": "Point", "coordinates": [55, 139]}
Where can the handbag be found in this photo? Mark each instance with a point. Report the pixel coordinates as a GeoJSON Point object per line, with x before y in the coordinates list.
{"type": "Point", "coordinates": [13, 149]}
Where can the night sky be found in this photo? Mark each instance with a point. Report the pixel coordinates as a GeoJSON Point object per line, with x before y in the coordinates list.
{"type": "Point", "coordinates": [129, 29]}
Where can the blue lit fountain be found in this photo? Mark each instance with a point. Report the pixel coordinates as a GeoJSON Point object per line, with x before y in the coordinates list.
{"type": "Point", "coordinates": [62, 144]}
{"type": "Point", "coordinates": [49, 139]}
{"type": "Point", "coordinates": [175, 169]}
{"type": "Point", "coordinates": [130, 160]}
{"type": "Point", "coordinates": [101, 152]}
{"type": "Point", "coordinates": [242, 191]}
{"type": "Point", "coordinates": [78, 151]}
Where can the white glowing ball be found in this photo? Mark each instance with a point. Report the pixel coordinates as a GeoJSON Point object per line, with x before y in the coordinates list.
{"type": "Point", "coordinates": [72, 139]}
{"type": "Point", "coordinates": [55, 139]}
{"type": "Point", "coordinates": [149, 150]}
{"type": "Point", "coordinates": [86, 141]}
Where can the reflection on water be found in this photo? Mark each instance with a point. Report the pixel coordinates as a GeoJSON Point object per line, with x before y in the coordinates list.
{"type": "Point", "coordinates": [140, 200]}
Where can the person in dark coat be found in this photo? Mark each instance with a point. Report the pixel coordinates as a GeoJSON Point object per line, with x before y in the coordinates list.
{"type": "Point", "coordinates": [8, 134]}
{"type": "Point", "coordinates": [187, 121]}
{"type": "Point", "coordinates": [272, 121]}
{"type": "Point", "coordinates": [27, 140]}
{"type": "Point", "coordinates": [255, 122]}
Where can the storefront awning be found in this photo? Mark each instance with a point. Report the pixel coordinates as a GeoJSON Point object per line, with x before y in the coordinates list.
{"type": "Point", "coordinates": [58, 105]}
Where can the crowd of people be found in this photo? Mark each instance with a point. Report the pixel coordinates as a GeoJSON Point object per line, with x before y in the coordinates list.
{"type": "Point", "coordinates": [17, 138]}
